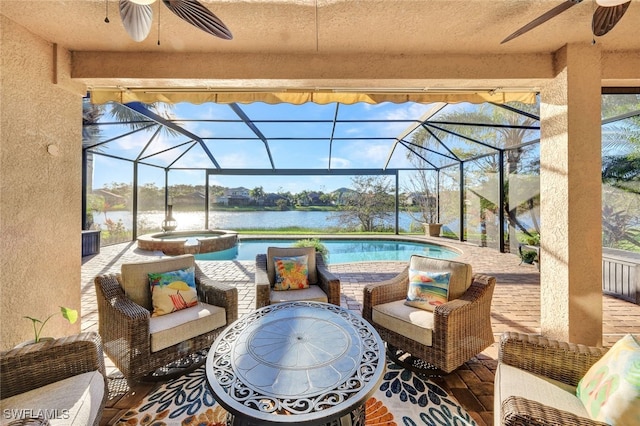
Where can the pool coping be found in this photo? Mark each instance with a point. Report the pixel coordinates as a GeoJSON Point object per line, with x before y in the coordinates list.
{"type": "Point", "coordinates": [418, 238]}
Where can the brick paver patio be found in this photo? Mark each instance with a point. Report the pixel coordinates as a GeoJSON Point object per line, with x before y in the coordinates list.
{"type": "Point", "coordinates": [515, 307]}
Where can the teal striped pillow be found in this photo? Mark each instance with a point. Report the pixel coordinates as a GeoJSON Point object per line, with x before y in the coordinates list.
{"type": "Point", "coordinates": [427, 289]}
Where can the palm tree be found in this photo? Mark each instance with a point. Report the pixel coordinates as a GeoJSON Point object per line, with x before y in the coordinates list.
{"type": "Point", "coordinates": [91, 132]}
{"type": "Point", "coordinates": [621, 172]}
{"type": "Point", "coordinates": [257, 194]}
{"type": "Point", "coordinates": [504, 127]}
{"type": "Point", "coordinates": [92, 114]}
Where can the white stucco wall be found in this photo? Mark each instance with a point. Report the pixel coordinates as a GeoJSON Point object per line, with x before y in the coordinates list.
{"type": "Point", "coordinates": [40, 187]}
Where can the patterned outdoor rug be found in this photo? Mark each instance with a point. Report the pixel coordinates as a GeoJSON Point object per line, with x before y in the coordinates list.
{"type": "Point", "coordinates": [402, 399]}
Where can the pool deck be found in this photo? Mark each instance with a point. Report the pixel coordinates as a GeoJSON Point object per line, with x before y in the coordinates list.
{"type": "Point", "coordinates": [515, 307]}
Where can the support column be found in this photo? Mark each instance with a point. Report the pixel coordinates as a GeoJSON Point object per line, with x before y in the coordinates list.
{"type": "Point", "coordinates": [571, 200]}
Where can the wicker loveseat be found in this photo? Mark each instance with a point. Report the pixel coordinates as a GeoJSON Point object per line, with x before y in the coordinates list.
{"type": "Point", "coordinates": [536, 380]}
{"type": "Point", "coordinates": [139, 344]}
{"type": "Point", "coordinates": [57, 382]}
{"type": "Point", "coordinates": [324, 286]}
{"type": "Point", "coordinates": [452, 334]}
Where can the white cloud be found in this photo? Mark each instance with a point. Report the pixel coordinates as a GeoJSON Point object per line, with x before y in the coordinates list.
{"type": "Point", "coordinates": [196, 159]}
{"type": "Point", "coordinates": [338, 162]}
{"type": "Point", "coordinates": [135, 141]}
{"type": "Point", "coordinates": [368, 154]}
{"type": "Point", "coordinates": [407, 112]}
{"type": "Point", "coordinates": [186, 177]}
{"type": "Point", "coordinates": [204, 133]}
{"type": "Point", "coordinates": [234, 161]}
{"type": "Point", "coordinates": [353, 130]}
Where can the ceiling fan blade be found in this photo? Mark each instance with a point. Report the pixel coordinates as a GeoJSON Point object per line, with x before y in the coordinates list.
{"type": "Point", "coordinates": [199, 16]}
{"type": "Point", "coordinates": [605, 18]}
{"type": "Point", "coordinates": [542, 19]}
{"type": "Point", "coordinates": [136, 19]}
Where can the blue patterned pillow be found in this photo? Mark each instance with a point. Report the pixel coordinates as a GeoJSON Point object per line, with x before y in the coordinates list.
{"type": "Point", "coordinates": [172, 291]}
{"type": "Point", "coordinates": [427, 289]}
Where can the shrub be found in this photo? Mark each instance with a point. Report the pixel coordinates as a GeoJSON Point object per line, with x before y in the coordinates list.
{"type": "Point", "coordinates": [528, 256]}
{"type": "Point", "coordinates": [534, 239]}
{"type": "Point", "coordinates": [313, 242]}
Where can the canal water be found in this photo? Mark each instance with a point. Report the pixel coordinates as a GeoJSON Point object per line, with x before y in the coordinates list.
{"type": "Point", "coordinates": [189, 221]}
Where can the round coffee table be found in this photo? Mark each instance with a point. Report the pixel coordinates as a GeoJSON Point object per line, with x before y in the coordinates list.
{"type": "Point", "coordinates": [305, 363]}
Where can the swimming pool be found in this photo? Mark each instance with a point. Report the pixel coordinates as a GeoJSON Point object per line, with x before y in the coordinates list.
{"type": "Point", "coordinates": [340, 251]}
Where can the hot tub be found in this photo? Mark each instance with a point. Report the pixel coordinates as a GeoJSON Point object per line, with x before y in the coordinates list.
{"type": "Point", "coordinates": [188, 242]}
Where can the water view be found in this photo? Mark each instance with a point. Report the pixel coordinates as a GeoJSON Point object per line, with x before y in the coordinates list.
{"type": "Point", "coordinates": [189, 221]}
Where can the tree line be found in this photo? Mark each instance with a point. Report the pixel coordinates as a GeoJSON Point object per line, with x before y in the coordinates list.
{"type": "Point", "coordinates": [368, 205]}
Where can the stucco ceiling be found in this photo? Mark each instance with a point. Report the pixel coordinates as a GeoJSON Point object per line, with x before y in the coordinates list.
{"type": "Point", "coordinates": [323, 33]}
{"type": "Point", "coordinates": [329, 26]}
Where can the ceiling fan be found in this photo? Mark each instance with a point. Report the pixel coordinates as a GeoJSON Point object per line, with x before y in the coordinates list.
{"type": "Point", "coordinates": [137, 17]}
{"type": "Point", "coordinates": [605, 17]}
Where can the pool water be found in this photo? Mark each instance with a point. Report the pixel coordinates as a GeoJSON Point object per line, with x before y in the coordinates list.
{"type": "Point", "coordinates": [340, 251]}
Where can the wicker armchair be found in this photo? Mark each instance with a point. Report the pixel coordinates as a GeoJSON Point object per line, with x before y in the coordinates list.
{"type": "Point", "coordinates": [49, 378]}
{"type": "Point", "coordinates": [324, 286]}
{"type": "Point", "coordinates": [520, 398]}
{"type": "Point", "coordinates": [130, 336]}
{"type": "Point", "coordinates": [444, 339]}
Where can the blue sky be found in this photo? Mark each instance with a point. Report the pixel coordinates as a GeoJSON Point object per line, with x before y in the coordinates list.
{"type": "Point", "coordinates": [239, 148]}
{"type": "Point", "coordinates": [363, 138]}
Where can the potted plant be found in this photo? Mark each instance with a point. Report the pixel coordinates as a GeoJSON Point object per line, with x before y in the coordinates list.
{"type": "Point", "coordinates": [69, 314]}
{"type": "Point", "coordinates": [530, 250]}
{"type": "Point", "coordinates": [528, 256]}
{"type": "Point", "coordinates": [432, 229]}
{"type": "Point", "coordinates": [422, 204]}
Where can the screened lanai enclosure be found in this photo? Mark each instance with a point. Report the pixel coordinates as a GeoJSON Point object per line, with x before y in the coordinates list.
{"type": "Point", "coordinates": [472, 167]}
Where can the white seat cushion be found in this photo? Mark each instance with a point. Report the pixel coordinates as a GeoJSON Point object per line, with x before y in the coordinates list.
{"type": "Point", "coordinates": [314, 293]}
{"type": "Point", "coordinates": [176, 327]}
{"type": "Point", "coordinates": [512, 381]}
{"type": "Point", "coordinates": [73, 401]}
{"type": "Point", "coordinates": [414, 323]}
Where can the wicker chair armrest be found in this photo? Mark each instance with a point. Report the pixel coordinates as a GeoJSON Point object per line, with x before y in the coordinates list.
{"type": "Point", "coordinates": [480, 289]}
{"type": "Point", "coordinates": [518, 411]}
{"type": "Point", "coordinates": [463, 316]}
{"type": "Point", "coordinates": [563, 361]}
{"type": "Point", "coordinates": [327, 281]}
{"type": "Point", "coordinates": [261, 279]}
{"type": "Point", "coordinates": [218, 294]}
{"type": "Point", "coordinates": [385, 292]}
{"type": "Point", "coordinates": [111, 292]}
{"type": "Point", "coordinates": [119, 318]}
{"type": "Point", "coordinates": [39, 364]}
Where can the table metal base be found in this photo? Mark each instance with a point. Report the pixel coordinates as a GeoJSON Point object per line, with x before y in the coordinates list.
{"type": "Point", "coordinates": [178, 368]}
{"type": "Point", "coordinates": [354, 418]}
{"type": "Point", "coordinates": [406, 360]}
